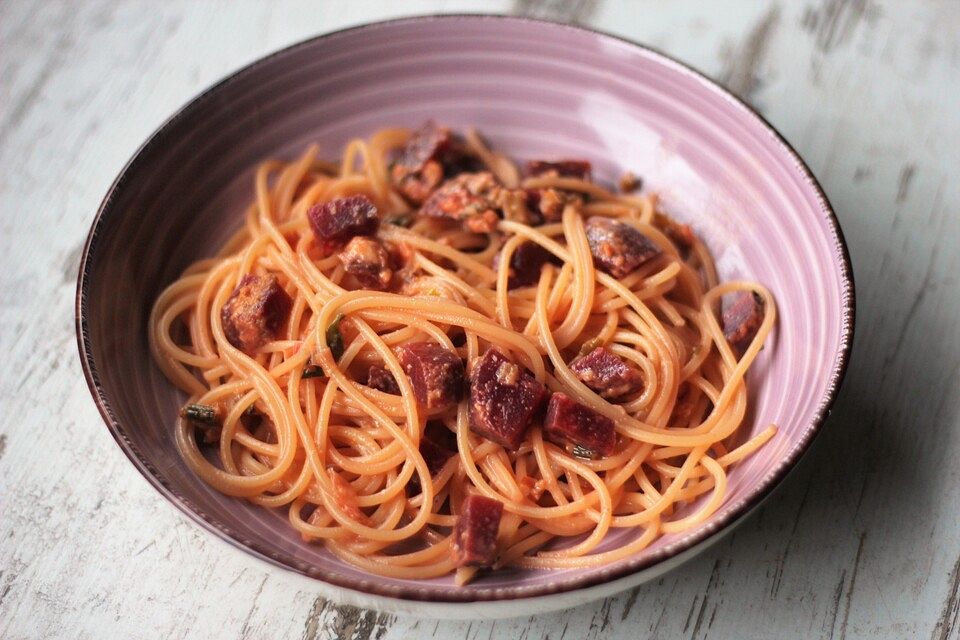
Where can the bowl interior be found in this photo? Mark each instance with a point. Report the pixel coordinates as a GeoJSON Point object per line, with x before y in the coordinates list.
{"type": "Point", "coordinates": [534, 90]}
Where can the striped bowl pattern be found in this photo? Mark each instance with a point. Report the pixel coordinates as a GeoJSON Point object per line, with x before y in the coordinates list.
{"type": "Point", "coordinates": [535, 90]}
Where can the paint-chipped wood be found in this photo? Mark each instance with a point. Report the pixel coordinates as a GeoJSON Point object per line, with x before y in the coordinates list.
{"type": "Point", "coordinates": [862, 541]}
{"type": "Point", "coordinates": [570, 11]}
{"type": "Point", "coordinates": [741, 73]}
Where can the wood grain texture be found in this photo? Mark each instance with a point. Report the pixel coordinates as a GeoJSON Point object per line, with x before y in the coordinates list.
{"type": "Point", "coordinates": [860, 542]}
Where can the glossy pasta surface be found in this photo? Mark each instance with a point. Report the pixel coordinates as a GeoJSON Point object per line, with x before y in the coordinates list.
{"type": "Point", "coordinates": [297, 424]}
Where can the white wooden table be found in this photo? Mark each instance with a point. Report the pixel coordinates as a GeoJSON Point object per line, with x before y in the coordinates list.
{"type": "Point", "coordinates": [863, 540]}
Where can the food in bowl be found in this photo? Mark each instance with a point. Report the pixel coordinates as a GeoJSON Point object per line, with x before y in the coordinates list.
{"type": "Point", "coordinates": [438, 362]}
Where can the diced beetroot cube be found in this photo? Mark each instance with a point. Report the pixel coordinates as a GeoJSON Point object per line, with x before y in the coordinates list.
{"type": "Point", "coordinates": [526, 262]}
{"type": "Point", "coordinates": [532, 199]}
{"type": "Point", "coordinates": [367, 260]}
{"type": "Point", "coordinates": [504, 398]}
{"type": "Point", "coordinates": [618, 248]}
{"type": "Point", "coordinates": [742, 317]}
{"type": "Point", "coordinates": [606, 373]}
{"type": "Point", "coordinates": [472, 198]}
{"type": "Point", "coordinates": [682, 235]}
{"type": "Point", "coordinates": [382, 380]}
{"type": "Point", "coordinates": [570, 423]}
{"type": "Point", "coordinates": [438, 433]}
{"type": "Point", "coordinates": [435, 372]}
{"type": "Point", "coordinates": [475, 534]}
{"type": "Point", "coordinates": [437, 445]}
{"type": "Point", "coordinates": [434, 455]}
{"type": "Point", "coordinates": [547, 205]}
{"type": "Point", "coordinates": [427, 143]}
{"type": "Point", "coordinates": [564, 168]}
{"type": "Point", "coordinates": [337, 221]}
{"type": "Point", "coordinates": [255, 312]}
{"type": "Point", "coordinates": [431, 154]}
{"type": "Point", "coordinates": [417, 170]}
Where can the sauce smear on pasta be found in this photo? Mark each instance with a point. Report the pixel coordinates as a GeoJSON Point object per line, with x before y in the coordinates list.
{"type": "Point", "coordinates": [435, 361]}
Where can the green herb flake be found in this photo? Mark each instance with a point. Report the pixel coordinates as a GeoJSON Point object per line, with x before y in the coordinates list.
{"type": "Point", "coordinates": [400, 221]}
{"type": "Point", "coordinates": [312, 371]}
{"type": "Point", "coordinates": [583, 452]}
{"type": "Point", "coordinates": [335, 338]}
{"type": "Point", "coordinates": [201, 415]}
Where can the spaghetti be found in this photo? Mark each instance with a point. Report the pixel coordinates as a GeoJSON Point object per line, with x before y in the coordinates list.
{"type": "Point", "coordinates": [315, 405]}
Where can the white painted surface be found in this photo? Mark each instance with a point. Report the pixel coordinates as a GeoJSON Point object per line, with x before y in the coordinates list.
{"type": "Point", "coordinates": [863, 541]}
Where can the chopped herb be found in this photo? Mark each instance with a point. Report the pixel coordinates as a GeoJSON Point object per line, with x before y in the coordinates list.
{"type": "Point", "coordinates": [201, 415]}
{"type": "Point", "coordinates": [335, 338]}
{"type": "Point", "coordinates": [335, 342]}
{"type": "Point", "coordinates": [312, 371]}
{"type": "Point", "coordinates": [583, 452]}
{"type": "Point", "coordinates": [404, 220]}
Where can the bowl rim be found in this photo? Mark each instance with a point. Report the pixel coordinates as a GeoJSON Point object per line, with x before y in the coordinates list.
{"type": "Point", "coordinates": [622, 569]}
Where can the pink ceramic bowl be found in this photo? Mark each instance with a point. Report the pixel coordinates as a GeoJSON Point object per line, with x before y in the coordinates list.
{"type": "Point", "coordinates": [535, 89]}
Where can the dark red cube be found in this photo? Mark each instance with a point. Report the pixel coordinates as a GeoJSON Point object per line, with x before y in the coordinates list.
{"type": "Point", "coordinates": [437, 445]}
{"type": "Point", "coordinates": [570, 423]}
{"type": "Point", "coordinates": [504, 398]}
{"type": "Point", "coordinates": [367, 260]}
{"type": "Point", "coordinates": [606, 373]}
{"type": "Point", "coordinates": [618, 248]}
{"type": "Point", "coordinates": [742, 317]}
{"type": "Point", "coordinates": [255, 312]}
{"type": "Point", "coordinates": [526, 262]}
{"type": "Point", "coordinates": [563, 168]}
{"type": "Point", "coordinates": [430, 155]}
{"type": "Point", "coordinates": [475, 534]}
{"type": "Point", "coordinates": [474, 199]}
{"type": "Point", "coordinates": [337, 221]}
{"type": "Point", "coordinates": [435, 372]}
{"type": "Point", "coordinates": [382, 380]}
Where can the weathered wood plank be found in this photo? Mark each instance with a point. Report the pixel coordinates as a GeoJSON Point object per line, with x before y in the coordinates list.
{"type": "Point", "coordinates": [861, 541]}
